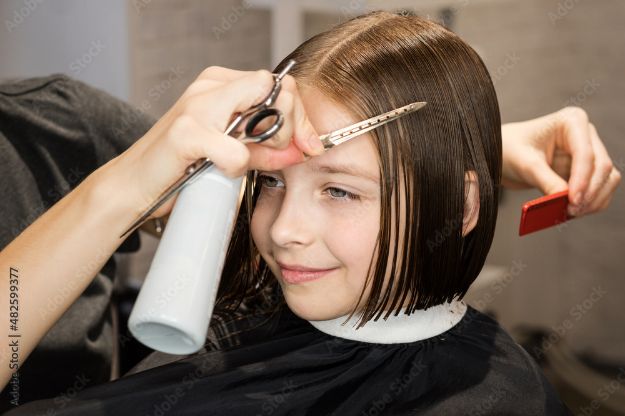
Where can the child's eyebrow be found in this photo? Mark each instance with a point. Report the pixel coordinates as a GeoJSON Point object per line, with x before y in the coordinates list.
{"type": "Point", "coordinates": [343, 168]}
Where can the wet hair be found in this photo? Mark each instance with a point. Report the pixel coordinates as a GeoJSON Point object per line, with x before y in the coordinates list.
{"type": "Point", "coordinates": [372, 64]}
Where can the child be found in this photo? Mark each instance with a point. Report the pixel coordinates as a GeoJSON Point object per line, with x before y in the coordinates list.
{"type": "Point", "coordinates": [338, 295]}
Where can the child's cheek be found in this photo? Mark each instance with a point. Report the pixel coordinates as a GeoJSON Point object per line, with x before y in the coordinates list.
{"type": "Point", "coordinates": [260, 224]}
{"type": "Point", "coordinates": [352, 237]}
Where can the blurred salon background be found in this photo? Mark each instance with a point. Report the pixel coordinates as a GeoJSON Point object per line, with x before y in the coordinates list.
{"type": "Point", "coordinates": [560, 292]}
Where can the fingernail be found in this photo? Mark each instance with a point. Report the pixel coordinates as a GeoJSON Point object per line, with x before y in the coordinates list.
{"type": "Point", "coordinates": [315, 144]}
{"type": "Point", "coordinates": [573, 210]}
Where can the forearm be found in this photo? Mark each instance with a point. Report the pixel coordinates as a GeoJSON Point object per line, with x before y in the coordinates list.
{"type": "Point", "coordinates": [52, 261]}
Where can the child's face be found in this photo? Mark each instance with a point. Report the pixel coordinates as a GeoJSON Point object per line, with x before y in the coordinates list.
{"type": "Point", "coordinates": [305, 216]}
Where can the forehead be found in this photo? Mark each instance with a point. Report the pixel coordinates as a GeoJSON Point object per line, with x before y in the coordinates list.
{"type": "Point", "coordinates": [325, 115]}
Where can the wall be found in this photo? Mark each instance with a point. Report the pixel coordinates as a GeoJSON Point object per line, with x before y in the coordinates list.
{"type": "Point", "coordinates": [87, 40]}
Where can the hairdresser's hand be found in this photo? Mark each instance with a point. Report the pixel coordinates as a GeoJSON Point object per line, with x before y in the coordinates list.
{"type": "Point", "coordinates": [548, 151]}
{"type": "Point", "coordinates": [193, 129]}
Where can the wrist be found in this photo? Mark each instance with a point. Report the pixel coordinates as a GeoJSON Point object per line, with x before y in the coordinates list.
{"type": "Point", "coordinates": [106, 192]}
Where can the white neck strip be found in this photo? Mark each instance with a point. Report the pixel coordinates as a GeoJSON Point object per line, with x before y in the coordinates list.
{"type": "Point", "coordinates": [419, 325]}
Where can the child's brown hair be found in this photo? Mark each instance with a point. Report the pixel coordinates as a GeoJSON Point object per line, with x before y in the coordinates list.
{"type": "Point", "coordinates": [372, 64]}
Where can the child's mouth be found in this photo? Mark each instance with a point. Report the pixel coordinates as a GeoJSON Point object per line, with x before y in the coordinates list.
{"type": "Point", "coordinates": [294, 276]}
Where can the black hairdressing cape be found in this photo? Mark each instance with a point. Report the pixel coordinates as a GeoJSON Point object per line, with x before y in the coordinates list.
{"type": "Point", "coordinates": [279, 364]}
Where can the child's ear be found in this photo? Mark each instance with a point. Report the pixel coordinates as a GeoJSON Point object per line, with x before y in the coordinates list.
{"type": "Point", "coordinates": [471, 203]}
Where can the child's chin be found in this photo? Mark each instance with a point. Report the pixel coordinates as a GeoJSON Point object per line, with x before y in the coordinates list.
{"type": "Point", "coordinates": [313, 312]}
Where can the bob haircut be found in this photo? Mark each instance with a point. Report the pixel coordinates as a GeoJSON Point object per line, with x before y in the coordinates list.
{"type": "Point", "coordinates": [369, 65]}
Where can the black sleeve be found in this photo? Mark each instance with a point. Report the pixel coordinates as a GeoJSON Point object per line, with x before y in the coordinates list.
{"type": "Point", "coordinates": [54, 132]}
{"type": "Point", "coordinates": [61, 130]}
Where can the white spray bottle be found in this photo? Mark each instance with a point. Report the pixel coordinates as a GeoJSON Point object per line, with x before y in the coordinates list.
{"type": "Point", "coordinates": [175, 304]}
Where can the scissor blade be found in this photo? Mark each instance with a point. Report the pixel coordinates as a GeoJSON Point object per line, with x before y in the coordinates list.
{"type": "Point", "coordinates": [194, 170]}
{"type": "Point", "coordinates": [156, 205]}
{"type": "Point", "coordinates": [168, 193]}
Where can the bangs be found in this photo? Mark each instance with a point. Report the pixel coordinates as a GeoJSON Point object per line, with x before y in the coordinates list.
{"type": "Point", "coordinates": [372, 64]}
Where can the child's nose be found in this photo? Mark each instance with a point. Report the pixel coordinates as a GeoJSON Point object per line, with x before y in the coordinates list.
{"type": "Point", "coordinates": [294, 224]}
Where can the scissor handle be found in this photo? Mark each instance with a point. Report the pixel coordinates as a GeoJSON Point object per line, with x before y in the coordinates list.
{"type": "Point", "coordinates": [257, 118]}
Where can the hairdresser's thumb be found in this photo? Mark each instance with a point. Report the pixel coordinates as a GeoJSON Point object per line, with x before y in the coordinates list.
{"type": "Point", "coordinates": [305, 136]}
{"type": "Point", "coordinates": [268, 158]}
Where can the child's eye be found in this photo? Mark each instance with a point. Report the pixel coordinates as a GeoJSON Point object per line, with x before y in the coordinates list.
{"type": "Point", "coordinates": [268, 181]}
{"type": "Point", "coordinates": [341, 194]}
{"type": "Point", "coordinates": [335, 193]}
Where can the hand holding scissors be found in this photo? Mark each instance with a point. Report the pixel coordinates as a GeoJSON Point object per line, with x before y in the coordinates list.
{"type": "Point", "coordinates": [255, 115]}
{"type": "Point", "coordinates": [259, 113]}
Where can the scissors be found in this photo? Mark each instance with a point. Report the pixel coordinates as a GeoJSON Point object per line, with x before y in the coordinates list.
{"type": "Point", "coordinates": [258, 113]}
